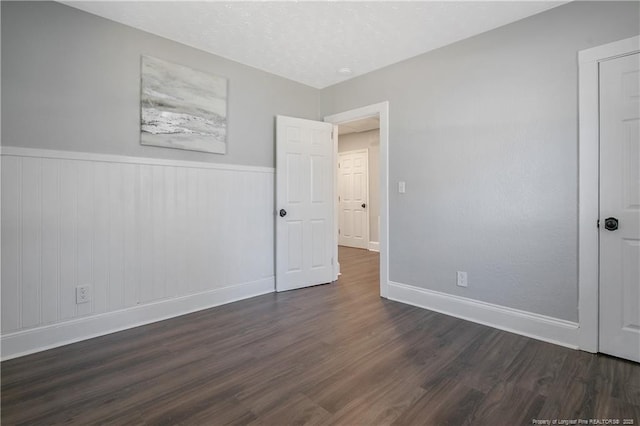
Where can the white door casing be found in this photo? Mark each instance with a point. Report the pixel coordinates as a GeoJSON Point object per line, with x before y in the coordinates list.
{"type": "Point", "coordinates": [353, 198]}
{"type": "Point", "coordinates": [619, 307]}
{"type": "Point", "coordinates": [304, 203]}
{"type": "Point", "coordinates": [380, 110]}
{"type": "Point", "coordinates": [589, 61]}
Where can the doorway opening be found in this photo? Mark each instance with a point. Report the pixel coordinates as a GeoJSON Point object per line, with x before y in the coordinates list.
{"type": "Point", "coordinates": [358, 184]}
{"type": "Point", "coordinates": [369, 130]}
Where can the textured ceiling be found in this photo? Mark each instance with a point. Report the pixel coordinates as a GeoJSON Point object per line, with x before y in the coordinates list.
{"type": "Point", "coordinates": [310, 41]}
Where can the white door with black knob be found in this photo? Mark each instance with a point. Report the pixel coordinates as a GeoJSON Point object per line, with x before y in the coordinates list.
{"type": "Point", "coordinates": [304, 203]}
{"type": "Point", "coordinates": [353, 193]}
{"type": "Point", "coordinates": [619, 310]}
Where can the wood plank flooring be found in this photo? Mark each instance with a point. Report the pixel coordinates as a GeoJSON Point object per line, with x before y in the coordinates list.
{"type": "Point", "coordinates": [332, 354]}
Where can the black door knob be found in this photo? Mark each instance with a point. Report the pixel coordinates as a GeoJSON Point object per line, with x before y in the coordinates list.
{"type": "Point", "coordinates": [364, 205]}
{"type": "Point", "coordinates": [283, 212]}
{"type": "Point", "coordinates": [611, 224]}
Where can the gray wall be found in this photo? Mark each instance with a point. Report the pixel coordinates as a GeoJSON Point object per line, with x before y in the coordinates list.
{"type": "Point", "coordinates": [484, 132]}
{"type": "Point", "coordinates": [71, 81]}
{"type": "Point", "coordinates": [368, 140]}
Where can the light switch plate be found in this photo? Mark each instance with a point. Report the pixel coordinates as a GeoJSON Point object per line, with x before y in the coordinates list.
{"type": "Point", "coordinates": [401, 187]}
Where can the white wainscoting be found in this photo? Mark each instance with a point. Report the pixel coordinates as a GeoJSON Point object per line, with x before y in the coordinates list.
{"type": "Point", "coordinates": [541, 327]}
{"type": "Point", "coordinates": [153, 238]}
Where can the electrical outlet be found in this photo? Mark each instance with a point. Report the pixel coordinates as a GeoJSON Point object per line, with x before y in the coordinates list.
{"type": "Point", "coordinates": [83, 294]}
{"type": "Point", "coordinates": [462, 279]}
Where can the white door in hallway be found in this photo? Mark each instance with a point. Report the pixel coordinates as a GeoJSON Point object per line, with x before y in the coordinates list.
{"type": "Point", "coordinates": [619, 329]}
{"type": "Point", "coordinates": [304, 203]}
{"type": "Point", "coordinates": [353, 184]}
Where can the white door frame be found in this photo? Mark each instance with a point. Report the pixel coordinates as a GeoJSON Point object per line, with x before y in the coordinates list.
{"type": "Point", "coordinates": [368, 217]}
{"type": "Point", "coordinates": [588, 194]}
{"type": "Point", "coordinates": [380, 110]}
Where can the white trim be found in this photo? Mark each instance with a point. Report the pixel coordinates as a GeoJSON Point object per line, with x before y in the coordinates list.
{"type": "Point", "coordinates": [588, 205]}
{"type": "Point", "coordinates": [336, 219]}
{"type": "Point", "coordinates": [611, 50]}
{"type": "Point", "coordinates": [108, 158]}
{"type": "Point", "coordinates": [374, 246]}
{"type": "Point", "coordinates": [525, 323]}
{"type": "Point", "coordinates": [380, 110]}
{"type": "Point", "coordinates": [38, 339]}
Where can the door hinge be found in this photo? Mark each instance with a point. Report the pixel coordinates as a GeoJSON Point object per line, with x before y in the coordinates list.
{"type": "Point", "coordinates": [598, 224]}
{"type": "Point", "coordinates": [338, 232]}
{"type": "Point", "coordinates": [332, 261]}
{"type": "Point", "coordinates": [338, 198]}
{"type": "Point", "coordinates": [338, 165]}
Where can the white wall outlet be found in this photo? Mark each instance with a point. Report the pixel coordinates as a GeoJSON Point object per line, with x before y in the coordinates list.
{"type": "Point", "coordinates": [402, 187]}
{"type": "Point", "coordinates": [83, 294]}
{"type": "Point", "coordinates": [462, 279]}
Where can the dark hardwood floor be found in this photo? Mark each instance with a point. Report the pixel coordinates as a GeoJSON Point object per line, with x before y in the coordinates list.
{"type": "Point", "coordinates": [332, 354]}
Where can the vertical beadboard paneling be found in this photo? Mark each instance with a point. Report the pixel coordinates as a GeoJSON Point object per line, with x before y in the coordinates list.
{"type": "Point", "coordinates": [215, 251]}
{"type": "Point", "coordinates": [181, 284]}
{"type": "Point", "coordinates": [257, 225]}
{"type": "Point", "coordinates": [68, 238]}
{"type": "Point", "coordinates": [130, 233]}
{"type": "Point", "coordinates": [247, 231]}
{"type": "Point", "coordinates": [50, 240]}
{"type": "Point", "coordinates": [192, 232]}
{"type": "Point", "coordinates": [145, 236]}
{"type": "Point", "coordinates": [115, 210]}
{"type": "Point", "coordinates": [85, 225]}
{"type": "Point", "coordinates": [31, 255]}
{"type": "Point", "coordinates": [228, 186]}
{"type": "Point", "coordinates": [170, 234]}
{"type": "Point", "coordinates": [242, 242]}
{"type": "Point", "coordinates": [238, 225]}
{"type": "Point", "coordinates": [11, 251]}
{"type": "Point", "coordinates": [269, 216]}
{"type": "Point", "coordinates": [202, 223]}
{"type": "Point", "coordinates": [158, 233]}
{"type": "Point", "coordinates": [100, 273]}
{"type": "Point", "coordinates": [137, 233]}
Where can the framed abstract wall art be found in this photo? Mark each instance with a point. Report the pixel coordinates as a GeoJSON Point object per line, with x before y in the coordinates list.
{"type": "Point", "coordinates": [182, 108]}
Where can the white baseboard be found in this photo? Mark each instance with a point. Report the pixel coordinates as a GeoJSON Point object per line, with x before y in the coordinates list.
{"type": "Point", "coordinates": [374, 246]}
{"type": "Point", "coordinates": [50, 336]}
{"type": "Point", "coordinates": [541, 327]}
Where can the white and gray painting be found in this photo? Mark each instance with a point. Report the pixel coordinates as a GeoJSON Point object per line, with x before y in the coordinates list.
{"type": "Point", "coordinates": [182, 108]}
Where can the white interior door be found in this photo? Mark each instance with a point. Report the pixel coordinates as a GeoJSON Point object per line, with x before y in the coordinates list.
{"type": "Point", "coordinates": [353, 183]}
{"type": "Point", "coordinates": [619, 329]}
{"type": "Point", "coordinates": [304, 194]}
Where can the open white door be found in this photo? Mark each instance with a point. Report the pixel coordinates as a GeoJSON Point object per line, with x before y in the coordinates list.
{"type": "Point", "coordinates": [620, 207]}
{"type": "Point", "coordinates": [304, 203]}
{"type": "Point", "coordinates": [353, 184]}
